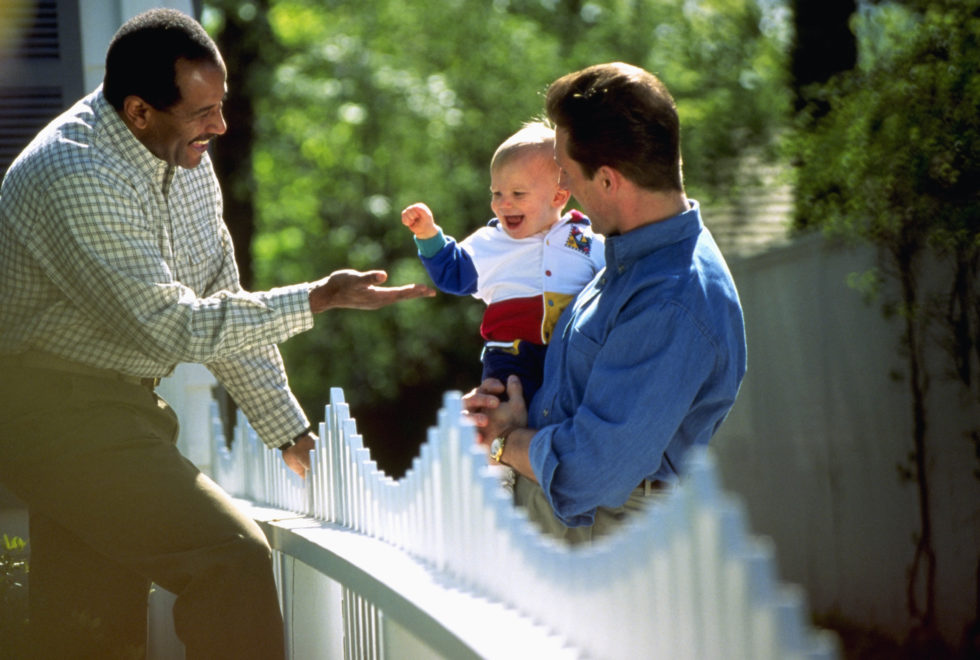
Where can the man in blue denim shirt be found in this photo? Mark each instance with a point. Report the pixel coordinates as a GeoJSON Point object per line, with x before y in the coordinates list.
{"type": "Point", "coordinates": [647, 361]}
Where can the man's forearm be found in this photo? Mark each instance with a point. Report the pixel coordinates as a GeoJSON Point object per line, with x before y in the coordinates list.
{"type": "Point", "coordinates": [516, 452]}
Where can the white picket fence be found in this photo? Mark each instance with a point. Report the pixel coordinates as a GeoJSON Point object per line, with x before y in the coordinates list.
{"type": "Point", "coordinates": [441, 564]}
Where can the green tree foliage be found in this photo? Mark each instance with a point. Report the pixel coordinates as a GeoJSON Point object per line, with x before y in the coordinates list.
{"type": "Point", "coordinates": [377, 104]}
{"type": "Point", "coordinates": [894, 164]}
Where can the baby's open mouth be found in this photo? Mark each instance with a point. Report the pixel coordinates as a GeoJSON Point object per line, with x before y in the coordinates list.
{"type": "Point", "coordinates": [512, 221]}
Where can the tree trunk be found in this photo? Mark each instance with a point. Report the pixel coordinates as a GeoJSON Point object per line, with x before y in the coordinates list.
{"type": "Point", "coordinates": [239, 42]}
{"type": "Point", "coordinates": [922, 573]}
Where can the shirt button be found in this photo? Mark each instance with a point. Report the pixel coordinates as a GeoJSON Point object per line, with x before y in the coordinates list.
{"type": "Point", "coordinates": [545, 412]}
{"type": "Point", "coordinates": [548, 273]}
{"type": "Point", "coordinates": [551, 303]}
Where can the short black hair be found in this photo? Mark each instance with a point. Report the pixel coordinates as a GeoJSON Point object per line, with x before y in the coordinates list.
{"type": "Point", "coordinates": [142, 57]}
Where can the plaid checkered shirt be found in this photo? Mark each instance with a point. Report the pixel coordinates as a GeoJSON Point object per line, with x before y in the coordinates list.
{"type": "Point", "coordinates": [112, 258]}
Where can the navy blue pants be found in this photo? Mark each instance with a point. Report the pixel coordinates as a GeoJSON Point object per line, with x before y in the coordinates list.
{"type": "Point", "coordinates": [527, 364]}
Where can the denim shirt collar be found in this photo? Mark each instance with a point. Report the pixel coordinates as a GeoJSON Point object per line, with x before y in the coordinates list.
{"type": "Point", "coordinates": [625, 249]}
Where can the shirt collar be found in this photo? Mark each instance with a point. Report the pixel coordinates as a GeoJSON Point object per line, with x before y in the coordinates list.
{"type": "Point", "coordinates": [571, 217]}
{"type": "Point", "coordinates": [624, 249]}
{"type": "Point", "coordinates": [134, 152]}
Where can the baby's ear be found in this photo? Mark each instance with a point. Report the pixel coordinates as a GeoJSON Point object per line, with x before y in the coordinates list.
{"type": "Point", "coordinates": [562, 195]}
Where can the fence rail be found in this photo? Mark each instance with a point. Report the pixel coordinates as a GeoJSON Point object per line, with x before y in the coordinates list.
{"type": "Point", "coordinates": [441, 562]}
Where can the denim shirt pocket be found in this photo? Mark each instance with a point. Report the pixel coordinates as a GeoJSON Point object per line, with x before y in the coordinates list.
{"type": "Point", "coordinates": [579, 361]}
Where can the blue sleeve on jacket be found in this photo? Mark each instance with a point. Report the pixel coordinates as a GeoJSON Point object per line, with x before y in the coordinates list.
{"type": "Point", "coordinates": [450, 267]}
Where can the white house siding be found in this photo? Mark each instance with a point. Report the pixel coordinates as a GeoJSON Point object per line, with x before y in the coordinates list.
{"type": "Point", "coordinates": [818, 431]}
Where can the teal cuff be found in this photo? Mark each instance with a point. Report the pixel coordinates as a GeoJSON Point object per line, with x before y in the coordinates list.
{"type": "Point", "coordinates": [429, 247]}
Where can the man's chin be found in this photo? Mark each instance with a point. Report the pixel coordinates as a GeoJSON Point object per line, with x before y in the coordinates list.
{"type": "Point", "coordinates": [191, 163]}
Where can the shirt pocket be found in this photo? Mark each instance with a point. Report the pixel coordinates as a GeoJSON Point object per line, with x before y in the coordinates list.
{"type": "Point", "coordinates": [197, 238]}
{"type": "Point", "coordinates": [580, 359]}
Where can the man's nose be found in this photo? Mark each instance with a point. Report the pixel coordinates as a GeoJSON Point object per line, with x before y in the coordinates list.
{"type": "Point", "coordinates": [217, 125]}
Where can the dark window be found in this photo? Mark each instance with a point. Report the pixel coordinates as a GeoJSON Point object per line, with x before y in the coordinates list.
{"type": "Point", "coordinates": [40, 68]}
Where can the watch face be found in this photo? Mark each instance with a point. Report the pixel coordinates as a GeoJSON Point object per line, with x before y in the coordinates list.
{"type": "Point", "coordinates": [496, 449]}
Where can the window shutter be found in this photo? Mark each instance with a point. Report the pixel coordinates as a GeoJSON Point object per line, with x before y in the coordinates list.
{"type": "Point", "coordinates": [41, 70]}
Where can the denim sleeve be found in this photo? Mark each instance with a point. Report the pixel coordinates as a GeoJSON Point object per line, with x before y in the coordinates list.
{"type": "Point", "coordinates": [640, 377]}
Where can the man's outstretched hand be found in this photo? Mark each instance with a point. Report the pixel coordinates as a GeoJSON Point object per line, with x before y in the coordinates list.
{"type": "Point", "coordinates": [351, 289]}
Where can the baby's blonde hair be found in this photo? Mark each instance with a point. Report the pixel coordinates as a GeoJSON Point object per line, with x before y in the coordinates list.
{"type": "Point", "coordinates": [535, 137]}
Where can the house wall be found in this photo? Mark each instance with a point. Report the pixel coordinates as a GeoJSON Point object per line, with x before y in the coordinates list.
{"type": "Point", "coordinates": [100, 19]}
{"type": "Point", "coordinates": [51, 53]}
{"type": "Point", "coordinates": [819, 428]}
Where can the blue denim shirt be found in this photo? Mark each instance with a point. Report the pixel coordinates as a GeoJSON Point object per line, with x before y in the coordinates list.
{"type": "Point", "coordinates": [644, 364]}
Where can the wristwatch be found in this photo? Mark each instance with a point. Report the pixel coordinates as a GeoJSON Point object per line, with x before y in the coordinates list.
{"type": "Point", "coordinates": [307, 431]}
{"type": "Point", "coordinates": [497, 447]}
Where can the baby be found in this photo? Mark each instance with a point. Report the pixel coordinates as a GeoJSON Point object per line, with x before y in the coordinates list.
{"type": "Point", "coordinates": [526, 264]}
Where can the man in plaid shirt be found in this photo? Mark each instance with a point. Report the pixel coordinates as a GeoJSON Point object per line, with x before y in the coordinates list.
{"type": "Point", "coordinates": [115, 265]}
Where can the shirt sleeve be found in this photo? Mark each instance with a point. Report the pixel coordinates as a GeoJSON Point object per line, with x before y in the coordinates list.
{"type": "Point", "coordinates": [105, 255]}
{"type": "Point", "coordinates": [450, 266]}
{"type": "Point", "coordinates": [257, 383]}
{"type": "Point", "coordinates": [256, 380]}
{"type": "Point", "coordinates": [644, 376]}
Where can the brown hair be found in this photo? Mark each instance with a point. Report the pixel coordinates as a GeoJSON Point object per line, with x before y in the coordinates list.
{"type": "Point", "coordinates": [621, 116]}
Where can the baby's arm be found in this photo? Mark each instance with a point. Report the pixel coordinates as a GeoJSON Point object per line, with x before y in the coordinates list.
{"type": "Point", "coordinates": [418, 218]}
{"type": "Point", "coordinates": [450, 267]}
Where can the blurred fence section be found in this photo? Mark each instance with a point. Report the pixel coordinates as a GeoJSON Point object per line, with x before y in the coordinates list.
{"type": "Point", "coordinates": [441, 564]}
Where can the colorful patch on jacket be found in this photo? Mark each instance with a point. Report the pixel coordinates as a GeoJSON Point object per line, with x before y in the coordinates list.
{"type": "Point", "coordinates": [578, 240]}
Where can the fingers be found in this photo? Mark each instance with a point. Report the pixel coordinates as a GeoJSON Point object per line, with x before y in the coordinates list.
{"type": "Point", "coordinates": [407, 291]}
{"type": "Point", "coordinates": [416, 211]}
{"type": "Point", "coordinates": [352, 289]}
{"type": "Point", "coordinates": [478, 419]}
{"type": "Point", "coordinates": [376, 276]}
{"type": "Point", "coordinates": [297, 460]}
{"type": "Point", "coordinates": [402, 292]}
{"type": "Point", "coordinates": [410, 216]}
{"type": "Point", "coordinates": [491, 386]}
{"type": "Point", "coordinates": [515, 391]}
{"type": "Point", "coordinates": [420, 220]}
{"type": "Point", "coordinates": [297, 457]}
{"type": "Point", "coordinates": [477, 400]}
{"type": "Point", "coordinates": [377, 297]}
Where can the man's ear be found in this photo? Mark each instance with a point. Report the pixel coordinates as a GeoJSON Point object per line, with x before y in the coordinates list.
{"type": "Point", "coordinates": [609, 178]}
{"type": "Point", "coordinates": [136, 112]}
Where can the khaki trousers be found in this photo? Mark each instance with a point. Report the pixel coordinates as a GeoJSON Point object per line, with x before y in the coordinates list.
{"type": "Point", "coordinates": [113, 506]}
{"type": "Point", "coordinates": [529, 495]}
